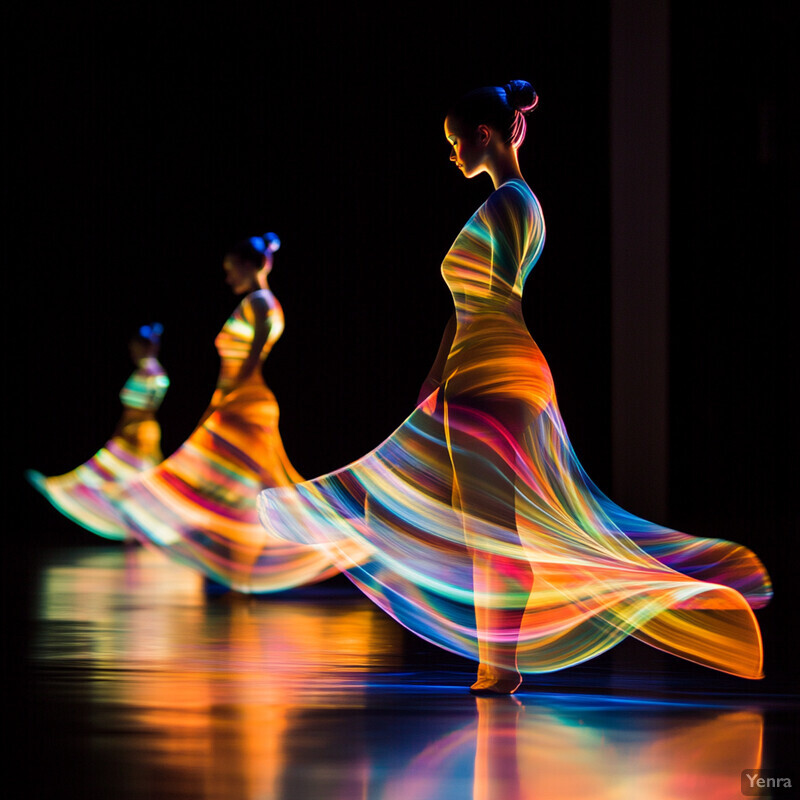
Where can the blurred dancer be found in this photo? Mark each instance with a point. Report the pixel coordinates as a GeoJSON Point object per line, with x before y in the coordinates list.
{"type": "Point", "coordinates": [199, 505]}
{"type": "Point", "coordinates": [134, 447]}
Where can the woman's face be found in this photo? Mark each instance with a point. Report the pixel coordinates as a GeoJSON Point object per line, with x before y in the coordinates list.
{"type": "Point", "coordinates": [239, 275]}
{"type": "Point", "coordinates": [139, 350]}
{"type": "Point", "coordinates": [467, 153]}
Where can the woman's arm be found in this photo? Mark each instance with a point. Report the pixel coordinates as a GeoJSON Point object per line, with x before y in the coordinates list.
{"type": "Point", "coordinates": [257, 313]}
{"type": "Point", "coordinates": [507, 217]}
{"type": "Point", "coordinates": [434, 379]}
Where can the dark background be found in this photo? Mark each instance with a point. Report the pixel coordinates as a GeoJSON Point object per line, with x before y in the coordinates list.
{"type": "Point", "coordinates": [144, 141]}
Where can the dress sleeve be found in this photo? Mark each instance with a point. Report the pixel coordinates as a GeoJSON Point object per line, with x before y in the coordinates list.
{"type": "Point", "coordinates": [515, 230]}
{"type": "Point", "coordinates": [503, 215]}
{"type": "Point", "coordinates": [261, 310]}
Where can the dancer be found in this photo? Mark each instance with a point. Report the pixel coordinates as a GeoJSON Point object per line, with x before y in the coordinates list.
{"type": "Point", "coordinates": [134, 446]}
{"type": "Point", "coordinates": [199, 505]}
{"type": "Point", "coordinates": [484, 533]}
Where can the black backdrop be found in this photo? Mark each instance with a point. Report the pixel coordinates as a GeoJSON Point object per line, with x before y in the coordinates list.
{"type": "Point", "coordinates": [144, 140]}
{"type": "Point", "coordinates": [150, 142]}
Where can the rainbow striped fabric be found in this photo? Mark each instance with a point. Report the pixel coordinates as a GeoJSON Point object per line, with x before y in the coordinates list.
{"type": "Point", "coordinates": [199, 505]}
{"type": "Point", "coordinates": [135, 447]}
{"type": "Point", "coordinates": [475, 525]}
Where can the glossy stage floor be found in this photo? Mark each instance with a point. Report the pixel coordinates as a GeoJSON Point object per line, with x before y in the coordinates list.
{"type": "Point", "coordinates": [141, 684]}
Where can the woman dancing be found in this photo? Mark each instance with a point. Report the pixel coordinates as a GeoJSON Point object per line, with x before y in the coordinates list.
{"type": "Point", "coordinates": [134, 446]}
{"type": "Point", "coordinates": [199, 505]}
{"type": "Point", "coordinates": [482, 532]}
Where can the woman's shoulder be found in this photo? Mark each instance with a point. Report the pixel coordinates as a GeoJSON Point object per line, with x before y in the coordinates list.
{"type": "Point", "coordinates": [261, 299]}
{"type": "Point", "coordinates": [260, 304]}
{"type": "Point", "coordinates": [512, 197]}
{"type": "Point", "coordinates": [149, 368]}
{"type": "Point", "coordinates": [515, 190]}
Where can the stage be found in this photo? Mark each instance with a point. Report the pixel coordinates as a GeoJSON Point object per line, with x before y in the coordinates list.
{"type": "Point", "coordinates": [140, 682]}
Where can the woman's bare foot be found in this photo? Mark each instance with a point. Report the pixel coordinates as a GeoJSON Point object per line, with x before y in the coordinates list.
{"type": "Point", "coordinates": [495, 680]}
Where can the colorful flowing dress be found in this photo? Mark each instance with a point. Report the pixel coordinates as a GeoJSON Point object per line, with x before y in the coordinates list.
{"type": "Point", "coordinates": [482, 472]}
{"type": "Point", "coordinates": [199, 505]}
{"type": "Point", "coordinates": [134, 447]}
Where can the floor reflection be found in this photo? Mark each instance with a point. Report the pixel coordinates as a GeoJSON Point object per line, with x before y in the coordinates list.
{"type": "Point", "coordinates": [148, 688]}
{"type": "Point", "coordinates": [596, 750]}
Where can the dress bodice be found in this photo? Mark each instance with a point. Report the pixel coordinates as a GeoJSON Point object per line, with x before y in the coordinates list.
{"type": "Point", "coordinates": [488, 263]}
{"type": "Point", "coordinates": [146, 387]}
{"type": "Point", "coordinates": [493, 354]}
{"type": "Point", "coordinates": [235, 340]}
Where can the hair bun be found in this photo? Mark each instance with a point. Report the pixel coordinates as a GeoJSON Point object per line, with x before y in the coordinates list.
{"type": "Point", "coordinates": [272, 242]}
{"type": "Point", "coordinates": [520, 96]}
{"type": "Point", "coordinates": [268, 243]}
{"type": "Point", "coordinates": [152, 333]}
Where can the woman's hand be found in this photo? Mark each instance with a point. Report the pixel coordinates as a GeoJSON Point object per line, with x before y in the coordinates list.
{"type": "Point", "coordinates": [434, 379]}
{"type": "Point", "coordinates": [428, 397]}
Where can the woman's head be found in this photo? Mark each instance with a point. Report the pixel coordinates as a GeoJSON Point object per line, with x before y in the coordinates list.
{"type": "Point", "coordinates": [145, 341]}
{"type": "Point", "coordinates": [250, 260]}
{"type": "Point", "coordinates": [493, 114]}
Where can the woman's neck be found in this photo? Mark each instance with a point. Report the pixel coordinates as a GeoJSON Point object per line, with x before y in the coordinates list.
{"type": "Point", "coordinates": [260, 282]}
{"type": "Point", "coordinates": [503, 167]}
